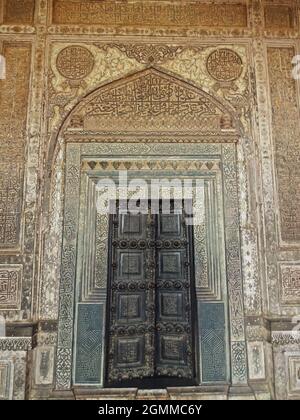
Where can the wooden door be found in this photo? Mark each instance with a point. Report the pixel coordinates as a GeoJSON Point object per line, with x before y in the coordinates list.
{"type": "Point", "coordinates": [150, 324]}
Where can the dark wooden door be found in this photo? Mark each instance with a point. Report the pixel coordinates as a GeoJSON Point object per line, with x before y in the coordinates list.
{"type": "Point", "coordinates": [150, 324]}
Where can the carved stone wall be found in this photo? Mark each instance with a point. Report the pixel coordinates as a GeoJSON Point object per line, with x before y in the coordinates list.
{"type": "Point", "coordinates": [104, 73]}
{"type": "Point", "coordinates": [286, 134]}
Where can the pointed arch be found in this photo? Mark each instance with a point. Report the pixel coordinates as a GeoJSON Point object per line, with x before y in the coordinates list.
{"type": "Point", "coordinates": [150, 101]}
{"type": "Point", "coordinates": [153, 102]}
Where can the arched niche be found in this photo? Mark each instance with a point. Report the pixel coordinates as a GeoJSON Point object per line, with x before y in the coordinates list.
{"type": "Point", "coordinates": [149, 107]}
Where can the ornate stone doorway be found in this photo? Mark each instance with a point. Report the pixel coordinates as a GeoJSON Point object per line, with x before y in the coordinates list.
{"type": "Point", "coordinates": [151, 298]}
{"type": "Point", "coordinates": [165, 128]}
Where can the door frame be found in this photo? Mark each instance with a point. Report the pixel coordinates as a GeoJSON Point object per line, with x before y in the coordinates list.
{"type": "Point", "coordinates": [211, 159]}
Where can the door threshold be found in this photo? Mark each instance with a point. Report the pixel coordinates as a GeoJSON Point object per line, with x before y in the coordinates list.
{"type": "Point", "coordinates": [199, 392]}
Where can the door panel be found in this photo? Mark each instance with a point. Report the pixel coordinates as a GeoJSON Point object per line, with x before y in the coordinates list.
{"type": "Point", "coordinates": [173, 315]}
{"type": "Point", "coordinates": [149, 326]}
{"type": "Point", "coordinates": [132, 299]}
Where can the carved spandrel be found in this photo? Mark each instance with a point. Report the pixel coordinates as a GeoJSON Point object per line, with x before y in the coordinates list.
{"type": "Point", "coordinates": [75, 62]}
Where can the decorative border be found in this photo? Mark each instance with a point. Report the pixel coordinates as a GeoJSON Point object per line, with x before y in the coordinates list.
{"type": "Point", "coordinates": [71, 224]}
{"type": "Point", "coordinates": [285, 338]}
{"type": "Point", "coordinates": [15, 344]}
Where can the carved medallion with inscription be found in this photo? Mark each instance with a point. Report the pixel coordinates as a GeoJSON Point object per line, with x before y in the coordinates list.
{"type": "Point", "coordinates": [224, 65]}
{"type": "Point", "coordinates": [75, 62]}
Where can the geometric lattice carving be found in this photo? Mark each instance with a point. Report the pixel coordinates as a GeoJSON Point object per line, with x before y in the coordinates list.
{"type": "Point", "coordinates": [10, 287]}
{"type": "Point", "coordinates": [89, 344]}
{"type": "Point", "coordinates": [239, 364]}
{"type": "Point", "coordinates": [212, 342]}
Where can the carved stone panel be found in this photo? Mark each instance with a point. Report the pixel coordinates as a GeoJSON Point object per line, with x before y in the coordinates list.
{"type": "Point", "coordinates": [290, 283]}
{"type": "Point", "coordinates": [6, 379]}
{"type": "Point", "coordinates": [148, 13]}
{"type": "Point", "coordinates": [256, 360]}
{"type": "Point", "coordinates": [75, 62]}
{"type": "Point", "coordinates": [150, 101]}
{"type": "Point", "coordinates": [279, 17]}
{"type": "Point", "coordinates": [286, 135]}
{"type": "Point", "coordinates": [18, 12]}
{"type": "Point", "coordinates": [213, 342]}
{"type": "Point", "coordinates": [89, 344]}
{"type": "Point", "coordinates": [10, 287]}
{"type": "Point", "coordinates": [44, 362]}
{"type": "Point", "coordinates": [224, 65]}
{"type": "Point", "coordinates": [293, 365]}
{"type": "Point", "coordinates": [13, 109]}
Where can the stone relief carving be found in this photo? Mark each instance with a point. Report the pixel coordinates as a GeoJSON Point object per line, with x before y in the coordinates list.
{"type": "Point", "coordinates": [279, 16]}
{"type": "Point", "coordinates": [13, 104]}
{"type": "Point", "coordinates": [149, 54]}
{"type": "Point", "coordinates": [150, 101]}
{"type": "Point", "coordinates": [14, 385]}
{"type": "Point", "coordinates": [6, 379]}
{"type": "Point", "coordinates": [286, 134]}
{"type": "Point", "coordinates": [286, 361]}
{"type": "Point", "coordinates": [44, 361]}
{"type": "Point", "coordinates": [75, 62]}
{"type": "Point", "coordinates": [53, 240]}
{"type": "Point", "coordinates": [63, 92]}
{"type": "Point", "coordinates": [18, 11]}
{"type": "Point", "coordinates": [15, 343]}
{"type": "Point", "coordinates": [10, 287]}
{"type": "Point", "coordinates": [257, 360]}
{"type": "Point", "coordinates": [149, 14]}
{"type": "Point", "coordinates": [290, 284]}
{"type": "Point", "coordinates": [224, 65]}
{"type": "Point", "coordinates": [238, 349]}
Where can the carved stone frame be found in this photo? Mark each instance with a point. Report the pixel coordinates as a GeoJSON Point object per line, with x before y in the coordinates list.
{"type": "Point", "coordinates": [232, 173]}
{"type": "Point", "coordinates": [74, 155]}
